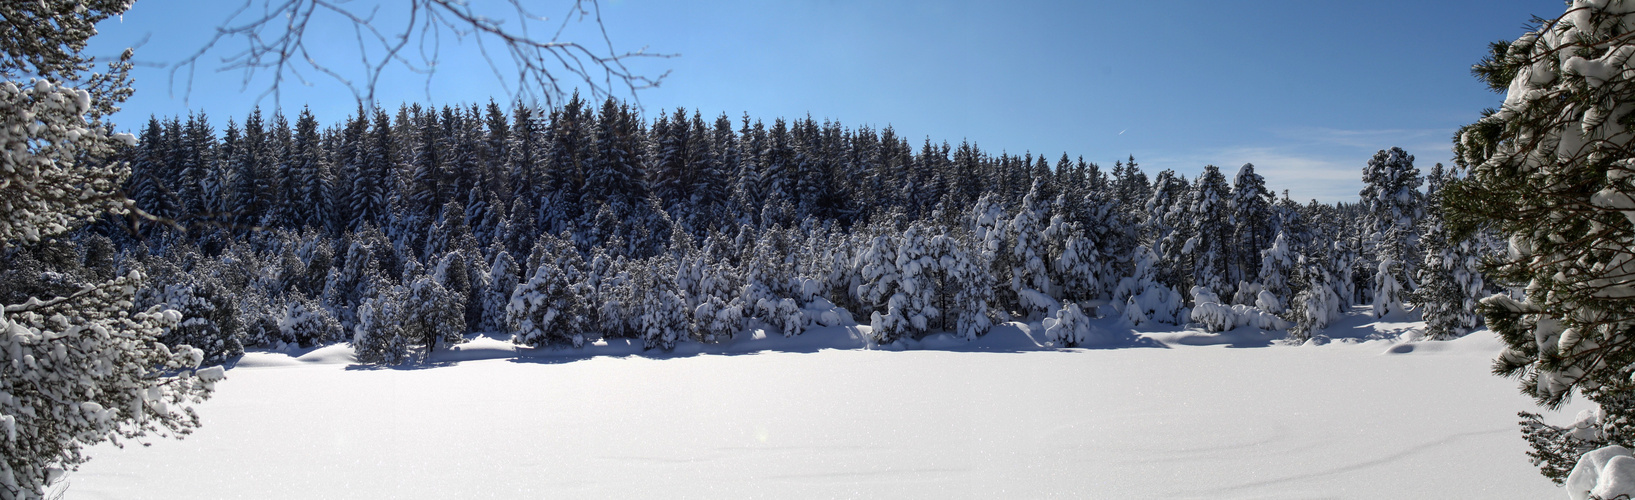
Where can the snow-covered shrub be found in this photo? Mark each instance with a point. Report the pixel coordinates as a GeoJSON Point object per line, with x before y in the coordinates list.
{"type": "Point", "coordinates": [379, 336]}
{"type": "Point", "coordinates": [305, 322]}
{"type": "Point", "coordinates": [210, 313]}
{"type": "Point", "coordinates": [783, 314]}
{"type": "Point", "coordinates": [1141, 298]}
{"type": "Point", "coordinates": [436, 314]}
{"type": "Point", "coordinates": [1247, 293]}
{"type": "Point", "coordinates": [1218, 317]}
{"type": "Point", "coordinates": [716, 321]}
{"type": "Point", "coordinates": [1068, 327]}
{"type": "Point", "coordinates": [546, 310]}
{"type": "Point", "coordinates": [496, 294]}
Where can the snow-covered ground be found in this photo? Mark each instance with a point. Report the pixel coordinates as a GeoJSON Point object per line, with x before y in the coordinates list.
{"type": "Point", "coordinates": [1184, 414]}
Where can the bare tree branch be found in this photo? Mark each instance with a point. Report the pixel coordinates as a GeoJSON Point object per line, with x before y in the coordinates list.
{"type": "Point", "coordinates": [274, 41]}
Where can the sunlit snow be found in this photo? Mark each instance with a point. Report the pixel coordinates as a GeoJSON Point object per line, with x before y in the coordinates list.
{"type": "Point", "coordinates": [1181, 414]}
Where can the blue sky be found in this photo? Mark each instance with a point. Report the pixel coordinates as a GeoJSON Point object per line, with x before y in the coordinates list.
{"type": "Point", "coordinates": [1305, 90]}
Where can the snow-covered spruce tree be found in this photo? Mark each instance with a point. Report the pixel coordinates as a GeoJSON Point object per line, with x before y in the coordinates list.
{"type": "Point", "coordinates": [547, 308]}
{"type": "Point", "coordinates": [1068, 327]}
{"type": "Point", "coordinates": [1315, 303]}
{"type": "Point", "coordinates": [1450, 282]}
{"type": "Point", "coordinates": [910, 308]}
{"type": "Point", "coordinates": [973, 286]}
{"type": "Point", "coordinates": [988, 223]}
{"type": "Point", "coordinates": [716, 320]}
{"type": "Point", "coordinates": [1276, 263]}
{"type": "Point", "coordinates": [1074, 262]}
{"type": "Point", "coordinates": [1392, 200]}
{"type": "Point", "coordinates": [305, 322]}
{"type": "Point", "coordinates": [1209, 243]}
{"type": "Point", "coordinates": [502, 279]}
{"type": "Point", "coordinates": [662, 309]}
{"type": "Point", "coordinates": [436, 314]}
{"type": "Point", "coordinates": [878, 275]}
{"type": "Point", "coordinates": [1253, 222]}
{"type": "Point", "coordinates": [1030, 273]}
{"type": "Point", "coordinates": [380, 336]}
{"type": "Point", "coordinates": [1551, 169]}
{"type": "Point", "coordinates": [81, 368]}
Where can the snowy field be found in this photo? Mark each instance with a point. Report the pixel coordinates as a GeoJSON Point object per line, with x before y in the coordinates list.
{"type": "Point", "coordinates": [1189, 415]}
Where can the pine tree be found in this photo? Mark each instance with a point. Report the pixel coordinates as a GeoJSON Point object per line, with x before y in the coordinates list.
{"type": "Point", "coordinates": [1252, 221]}
{"type": "Point", "coordinates": [81, 368]}
{"type": "Point", "coordinates": [311, 175]}
{"type": "Point", "coordinates": [1030, 276]}
{"type": "Point", "coordinates": [1450, 284]}
{"type": "Point", "coordinates": [1390, 195]}
{"type": "Point", "coordinates": [1276, 263]}
{"type": "Point", "coordinates": [1549, 170]}
{"type": "Point", "coordinates": [1211, 232]}
{"type": "Point", "coordinates": [381, 334]}
{"type": "Point", "coordinates": [502, 280]}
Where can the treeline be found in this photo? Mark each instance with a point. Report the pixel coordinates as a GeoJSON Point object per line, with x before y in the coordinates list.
{"type": "Point", "coordinates": [569, 224]}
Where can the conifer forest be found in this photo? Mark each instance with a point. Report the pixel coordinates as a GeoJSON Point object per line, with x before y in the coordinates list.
{"type": "Point", "coordinates": [401, 232]}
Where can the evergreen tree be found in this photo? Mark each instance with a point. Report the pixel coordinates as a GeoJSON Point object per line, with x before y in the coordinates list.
{"type": "Point", "coordinates": [1393, 202]}
{"type": "Point", "coordinates": [1211, 232]}
{"type": "Point", "coordinates": [1253, 222]}
{"type": "Point", "coordinates": [1549, 170]}
{"type": "Point", "coordinates": [81, 368]}
{"type": "Point", "coordinates": [311, 175]}
{"type": "Point", "coordinates": [1450, 283]}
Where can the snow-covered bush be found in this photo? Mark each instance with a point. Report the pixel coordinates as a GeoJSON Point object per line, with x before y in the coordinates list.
{"type": "Point", "coordinates": [716, 321]}
{"type": "Point", "coordinates": [1315, 305]}
{"type": "Point", "coordinates": [305, 322]}
{"type": "Point", "coordinates": [1140, 298]}
{"type": "Point", "coordinates": [436, 314]}
{"type": "Point", "coordinates": [546, 310]}
{"type": "Point", "coordinates": [1069, 327]}
{"type": "Point", "coordinates": [1218, 317]}
{"type": "Point", "coordinates": [210, 320]}
{"type": "Point", "coordinates": [783, 314]}
{"type": "Point", "coordinates": [379, 336]}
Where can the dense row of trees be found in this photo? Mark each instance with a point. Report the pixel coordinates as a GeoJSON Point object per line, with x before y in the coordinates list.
{"type": "Point", "coordinates": [560, 225]}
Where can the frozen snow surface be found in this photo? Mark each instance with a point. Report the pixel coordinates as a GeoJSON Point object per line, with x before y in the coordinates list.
{"type": "Point", "coordinates": [1176, 414]}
